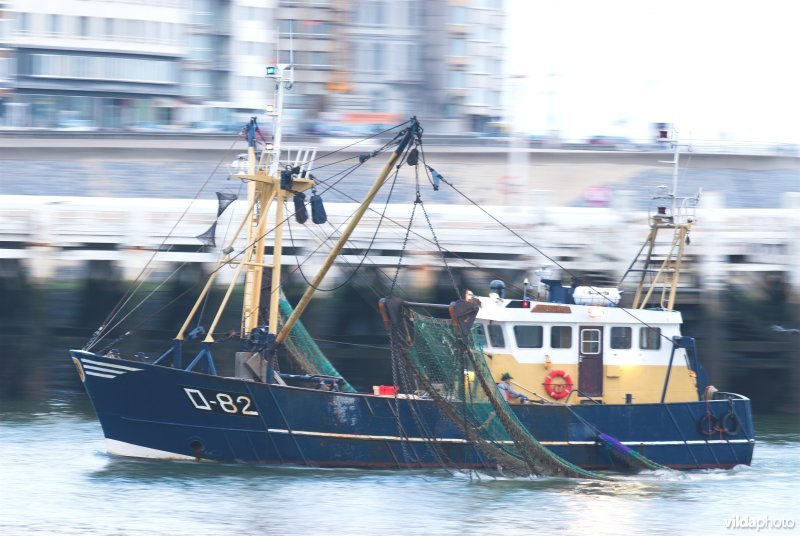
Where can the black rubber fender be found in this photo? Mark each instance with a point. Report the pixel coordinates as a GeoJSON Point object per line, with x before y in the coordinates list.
{"type": "Point", "coordinates": [708, 424]}
{"type": "Point", "coordinates": [730, 423]}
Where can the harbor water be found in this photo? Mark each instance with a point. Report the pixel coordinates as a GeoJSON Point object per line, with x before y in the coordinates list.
{"type": "Point", "coordinates": [57, 479]}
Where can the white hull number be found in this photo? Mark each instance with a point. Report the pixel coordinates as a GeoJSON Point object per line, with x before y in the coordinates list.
{"type": "Point", "coordinates": [223, 402]}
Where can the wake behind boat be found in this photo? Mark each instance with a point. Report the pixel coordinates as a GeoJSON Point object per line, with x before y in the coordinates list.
{"type": "Point", "coordinates": [584, 383]}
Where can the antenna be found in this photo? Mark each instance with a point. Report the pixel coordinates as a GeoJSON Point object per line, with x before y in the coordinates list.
{"type": "Point", "coordinates": [278, 46]}
{"type": "Point", "coordinates": [291, 54]}
{"type": "Point", "coordinates": [283, 81]}
{"type": "Point", "coordinates": [676, 154]}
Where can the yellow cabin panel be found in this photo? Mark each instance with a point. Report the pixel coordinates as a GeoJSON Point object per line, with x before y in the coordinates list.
{"type": "Point", "coordinates": [643, 382]}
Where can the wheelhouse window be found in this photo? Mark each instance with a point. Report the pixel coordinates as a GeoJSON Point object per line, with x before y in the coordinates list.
{"type": "Point", "coordinates": [621, 338]}
{"type": "Point", "coordinates": [496, 338]}
{"type": "Point", "coordinates": [649, 338]}
{"type": "Point", "coordinates": [590, 341]}
{"type": "Point", "coordinates": [529, 336]}
{"type": "Point", "coordinates": [480, 335]}
{"type": "Point", "coordinates": [561, 337]}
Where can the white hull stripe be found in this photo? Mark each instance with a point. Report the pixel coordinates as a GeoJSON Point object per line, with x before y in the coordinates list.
{"type": "Point", "coordinates": [548, 443]}
{"type": "Point", "coordinates": [115, 372]}
{"type": "Point", "coordinates": [98, 374]}
{"type": "Point", "coordinates": [120, 368]}
{"type": "Point", "coordinates": [121, 448]}
{"type": "Point", "coordinates": [105, 370]}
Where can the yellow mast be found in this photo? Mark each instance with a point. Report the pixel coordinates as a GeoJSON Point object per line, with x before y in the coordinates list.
{"type": "Point", "coordinates": [263, 189]}
{"type": "Point", "coordinates": [266, 188]}
{"type": "Point", "coordinates": [410, 132]}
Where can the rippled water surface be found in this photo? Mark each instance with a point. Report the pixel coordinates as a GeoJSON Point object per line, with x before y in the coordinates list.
{"type": "Point", "coordinates": [55, 478]}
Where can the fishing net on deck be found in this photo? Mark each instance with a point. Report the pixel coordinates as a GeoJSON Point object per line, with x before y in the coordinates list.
{"type": "Point", "coordinates": [446, 361]}
{"type": "Point", "coordinates": [305, 352]}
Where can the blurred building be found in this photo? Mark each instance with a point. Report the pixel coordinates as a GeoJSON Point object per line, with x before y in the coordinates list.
{"type": "Point", "coordinates": [439, 59]}
{"type": "Point", "coordinates": [5, 51]}
{"type": "Point", "coordinates": [80, 63]}
{"type": "Point", "coordinates": [144, 64]}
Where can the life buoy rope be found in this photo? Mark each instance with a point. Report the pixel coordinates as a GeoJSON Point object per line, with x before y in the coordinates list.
{"type": "Point", "coordinates": [558, 390]}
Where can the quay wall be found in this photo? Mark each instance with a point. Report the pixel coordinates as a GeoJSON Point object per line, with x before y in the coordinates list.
{"type": "Point", "coordinates": [55, 237]}
{"type": "Point", "coordinates": [487, 173]}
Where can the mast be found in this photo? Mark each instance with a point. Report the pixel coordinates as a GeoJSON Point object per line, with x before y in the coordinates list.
{"type": "Point", "coordinates": [264, 188]}
{"type": "Point", "coordinates": [664, 260]}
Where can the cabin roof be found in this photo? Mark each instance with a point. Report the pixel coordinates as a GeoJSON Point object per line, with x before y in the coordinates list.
{"type": "Point", "coordinates": [498, 310]}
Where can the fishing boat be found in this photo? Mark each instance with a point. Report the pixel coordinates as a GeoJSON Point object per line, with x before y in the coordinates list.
{"type": "Point", "coordinates": [585, 384]}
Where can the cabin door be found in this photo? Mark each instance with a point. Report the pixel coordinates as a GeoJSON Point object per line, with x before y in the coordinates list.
{"type": "Point", "coordinates": [590, 361]}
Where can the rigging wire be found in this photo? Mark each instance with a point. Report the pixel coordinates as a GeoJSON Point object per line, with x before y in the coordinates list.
{"type": "Point", "coordinates": [320, 157]}
{"type": "Point", "coordinates": [345, 173]}
{"type": "Point", "coordinates": [332, 186]}
{"type": "Point", "coordinates": [103, 330]}
{"type": "Point", "coordinates": [123, 301]}
{"type": "Point", "coordinates": [433, 234]}
{"type": "Point", "coordinates": [106, 332]}
{"type": "Point", "coordinates": [366, 252]}
{"type": "Point", "coordinates": [139, 280]}
{"type": "Point", "coordinates": [219, 258]}
{"type": "Point", "coordinates": [526, 242]}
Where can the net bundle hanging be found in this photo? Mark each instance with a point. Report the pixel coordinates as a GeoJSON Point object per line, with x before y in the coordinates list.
{"type": "Point", "coordinates": [446, 361]}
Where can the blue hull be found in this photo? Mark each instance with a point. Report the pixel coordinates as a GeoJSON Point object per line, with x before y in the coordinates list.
{"type": "Point", "coordinates": [154, 411]}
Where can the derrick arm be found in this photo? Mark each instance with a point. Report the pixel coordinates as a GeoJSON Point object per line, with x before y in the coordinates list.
{"type": "Point", "coordinates": [376, 186]}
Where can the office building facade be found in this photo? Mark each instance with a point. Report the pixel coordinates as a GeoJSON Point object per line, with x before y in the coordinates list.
{"type": "Point", "coordinates": [134, 64]}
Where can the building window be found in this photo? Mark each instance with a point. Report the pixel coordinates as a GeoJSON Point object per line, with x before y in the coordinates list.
{"type": "Point", "coordinates": [412, 13]}
{"type": "Point", "coordinates": [480, 32]}
{"type": "Point", "coordinates": [621, 338]}
{"type": "Point", "coordinates": [456, 79]}
{"type": "Point", "coordinates": [458, 47]}
{"type": "Point", "coordinates": [496, 337]}
{"type": "Point", "coordinates": [372, 12]}
{"type": "Point", "coordinates": [458, 15]}
{"type": "Point", "coordinates": [477, 97]}
{"type": "Point", "coordinates": [561, 337]}
{"type": "Point", "coordinates": [23, 22]}
{"type": "Point", "coordinates": [528, 336]}
{"type": "Point", "coordinates": [317, 28]}
{"type": "Point", "coordinates": [590, 341]}
{"type": "Point", "coordinates": [650, 338]}
{"type": "Point", "coordinates": [5, 68]}
{"type": "Point", "coordinates": [318, 59]}
{"type": "Point", "coordinates": [83, 26]}
{"type": "Point", "coordinates": [200, 47]}
{"type": "Point", "coordinates": [55, 24]}
{"type": "Point", "coordinates": [284, 56]}
{"type": "Point", "coordinates": [201, 12]}
{"type": "Point", "coordinates": [413, 56]}
{"type": "Point", "coordinates": [377, 56]}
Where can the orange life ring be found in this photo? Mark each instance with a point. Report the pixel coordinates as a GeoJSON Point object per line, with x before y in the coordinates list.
{"type": "Point", "coordinates": [558, 390]}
